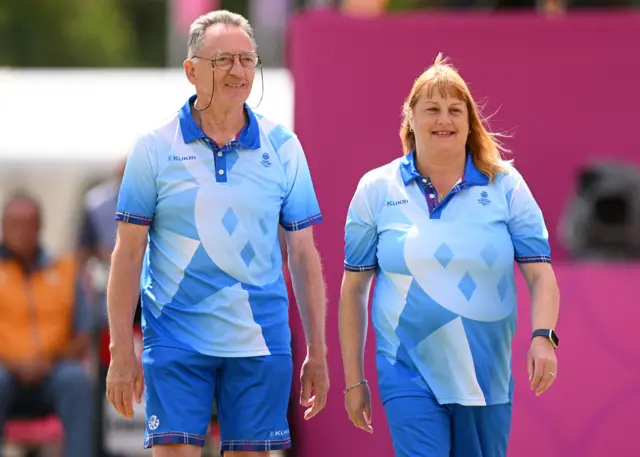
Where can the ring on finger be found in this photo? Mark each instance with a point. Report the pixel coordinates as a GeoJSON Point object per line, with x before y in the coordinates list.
{"type": "Point", "coordinates": [551, 373]}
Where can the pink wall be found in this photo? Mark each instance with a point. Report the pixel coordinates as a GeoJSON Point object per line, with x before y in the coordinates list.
{"type": "Point", "coordinates": [568, 87]}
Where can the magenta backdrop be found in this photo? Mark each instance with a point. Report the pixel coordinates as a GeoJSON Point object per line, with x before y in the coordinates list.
{"type": "Point", "coordinates": [568, 89]}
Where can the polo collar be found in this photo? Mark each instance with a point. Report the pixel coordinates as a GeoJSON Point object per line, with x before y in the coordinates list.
{"type": "Point", "coordinates": [472, 175]}
{"type": "Point", "coordinates": [249, 136]}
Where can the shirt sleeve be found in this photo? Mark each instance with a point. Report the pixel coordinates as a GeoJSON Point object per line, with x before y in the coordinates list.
{"type": "Point", "coordinates": [360, 235]}
{"type": "Point", "coordinates": [138, 191]}
{"type": "Point", "coordinates": [300, 207]}
{"type": "Point", "coordinates": [526, 224]}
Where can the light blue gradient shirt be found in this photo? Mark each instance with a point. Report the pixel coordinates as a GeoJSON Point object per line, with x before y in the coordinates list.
{"type": "Point", "coordinates": [212, 276]}
{"type": "Point", "coordinates": [444, 305]}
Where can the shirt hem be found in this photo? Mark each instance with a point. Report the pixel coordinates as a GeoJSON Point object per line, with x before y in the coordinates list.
{"type": "Point", "coordinates": [448, 400]}
{"type": "Point", "coordinates": [473, 401]}
{"type": "Point", "coordinates": [223, 354]}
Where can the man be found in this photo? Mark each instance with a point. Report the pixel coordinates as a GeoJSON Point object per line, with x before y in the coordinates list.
{"type": "Point", "coordinates": [44, 330]}
{"type": "Point", "coordinates": [199, 211]}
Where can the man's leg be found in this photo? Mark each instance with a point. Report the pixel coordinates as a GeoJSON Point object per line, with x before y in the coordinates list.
{"type": "Point", "coordinates": [179, 394]}
{"type": "Point", "coordinates": [481, 431]}
{"type": "Point", "coordinates": [71, 392]}
{"type": "Point", "coordinates": [7, 395]}
{"type": "Point", "coordinates": [253, 398]}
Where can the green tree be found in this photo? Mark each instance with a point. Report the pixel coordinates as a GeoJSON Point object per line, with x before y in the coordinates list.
{"type": "Point", "coordinates": [148, 19]}
{"type": "Point", "coordinates": [64, 33]}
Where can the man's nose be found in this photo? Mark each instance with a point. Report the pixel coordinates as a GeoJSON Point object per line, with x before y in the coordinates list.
{"type": "Point", "coordinates": [236, 67]}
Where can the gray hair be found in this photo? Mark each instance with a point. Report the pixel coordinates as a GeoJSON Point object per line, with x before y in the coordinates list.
{"type": "Point", "coordinates": [220, 17]}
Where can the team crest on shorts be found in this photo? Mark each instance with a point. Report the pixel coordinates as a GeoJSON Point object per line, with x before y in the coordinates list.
{"type": "Point", "coordinates": [153, 423]}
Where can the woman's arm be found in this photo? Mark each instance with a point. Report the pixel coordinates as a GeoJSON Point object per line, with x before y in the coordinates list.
{"type": "Point", "coordinates": [542, 363]}
{"type": "Point", "coordinates": [352, 323]}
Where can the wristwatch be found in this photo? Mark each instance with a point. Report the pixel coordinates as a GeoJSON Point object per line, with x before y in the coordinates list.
{"type": "Point", "coordinates": [547, 333]}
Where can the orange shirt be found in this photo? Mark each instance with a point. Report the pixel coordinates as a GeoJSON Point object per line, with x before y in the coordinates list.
{"type": "Point", "coordinates": [37, 310]}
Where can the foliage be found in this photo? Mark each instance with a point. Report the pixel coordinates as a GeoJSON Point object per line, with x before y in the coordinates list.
{"type": "Point", "coordinates": [47, 33]}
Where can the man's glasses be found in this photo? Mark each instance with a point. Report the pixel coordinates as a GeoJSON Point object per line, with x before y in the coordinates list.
{"type": "Point", "coordinates": [224, 61]}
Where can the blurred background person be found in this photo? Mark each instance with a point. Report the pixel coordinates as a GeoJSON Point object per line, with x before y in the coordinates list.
{"type": "Point", "coordinates": [97, 236]}
{"type": "Point", "coordinates": [44, 330]}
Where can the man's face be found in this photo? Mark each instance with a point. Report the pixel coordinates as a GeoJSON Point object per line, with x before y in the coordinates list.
{"type": "Point", "coordinates": [21, 227]}
{"type": "Point", "coordinates": [225, 65]}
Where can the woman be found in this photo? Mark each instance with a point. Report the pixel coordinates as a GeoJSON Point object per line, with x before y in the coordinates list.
{"type": "Point", "coordinates": [440, 229]}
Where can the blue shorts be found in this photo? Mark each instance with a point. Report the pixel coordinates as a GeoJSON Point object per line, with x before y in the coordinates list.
{"type": "Point", "coordinates": [421, 427]}
{"type": "Point", "coordinates": [252, 397]}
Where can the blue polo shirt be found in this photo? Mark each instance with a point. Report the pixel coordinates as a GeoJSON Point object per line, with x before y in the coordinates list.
{"type": "Point", "coordinates": [444, 304]}
{"type": "Point", "coordinates": [212, 276]}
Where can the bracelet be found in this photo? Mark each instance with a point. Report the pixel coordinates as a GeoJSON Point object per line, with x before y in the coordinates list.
{"type": "Point", "coordinates": [358, 384]}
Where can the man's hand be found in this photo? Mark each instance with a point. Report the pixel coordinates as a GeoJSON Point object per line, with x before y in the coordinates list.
{"type": "Point", "coordinates": [314, 377]}
{"type": "Point", "coordinates": [124, 383]}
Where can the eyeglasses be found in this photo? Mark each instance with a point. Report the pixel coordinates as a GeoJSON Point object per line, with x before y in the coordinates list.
{"type": "Point", "coordinates": [225, 60]}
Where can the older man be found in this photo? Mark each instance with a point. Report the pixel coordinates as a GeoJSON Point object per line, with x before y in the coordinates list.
{"type": "Point", "coordinates": [44, 330]}
{"type": "Point", "coordinates": [201, 203]}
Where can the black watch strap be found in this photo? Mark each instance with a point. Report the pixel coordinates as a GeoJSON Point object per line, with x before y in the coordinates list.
{"type": "Point", "coordinates": [547, 333]}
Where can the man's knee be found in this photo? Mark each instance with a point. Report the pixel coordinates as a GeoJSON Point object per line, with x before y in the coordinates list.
{"type": "Point", "coordinates": [177, 450]}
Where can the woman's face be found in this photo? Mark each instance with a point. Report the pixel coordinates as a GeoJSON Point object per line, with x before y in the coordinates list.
{"type": "Point", "coordinates": [440, 124]}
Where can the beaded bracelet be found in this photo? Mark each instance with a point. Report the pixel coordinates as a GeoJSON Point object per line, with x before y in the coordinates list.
{"type": "Point", "coordinates": [355, 385]}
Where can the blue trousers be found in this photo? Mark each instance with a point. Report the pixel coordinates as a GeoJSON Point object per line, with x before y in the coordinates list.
{"type": "Point", "coordinates": [67, 392]}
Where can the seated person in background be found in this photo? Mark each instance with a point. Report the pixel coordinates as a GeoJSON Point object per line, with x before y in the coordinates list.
{"type": "Point", "coordinates": [44, 330]}
{"type": "Point", "coordinates": [97, 238]}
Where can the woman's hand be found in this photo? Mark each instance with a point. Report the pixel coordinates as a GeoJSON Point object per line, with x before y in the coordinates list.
{"type": "Point", "coordinates": [357, 402]}
{"type": "Point", "coordinates": [542, 365]}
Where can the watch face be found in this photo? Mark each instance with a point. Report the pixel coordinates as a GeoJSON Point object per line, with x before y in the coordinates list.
{"type": "Point", "coordinates": [554, 338]}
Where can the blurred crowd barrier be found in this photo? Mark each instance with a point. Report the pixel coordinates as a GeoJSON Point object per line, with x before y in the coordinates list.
{"type": "Point", "coordinates": [547, 82]}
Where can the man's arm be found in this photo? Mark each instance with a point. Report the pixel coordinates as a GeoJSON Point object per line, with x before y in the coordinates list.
{"type": "Point", "coordinates": [308, 285]}
{"type": "Point", "coordinates": [124, 284]}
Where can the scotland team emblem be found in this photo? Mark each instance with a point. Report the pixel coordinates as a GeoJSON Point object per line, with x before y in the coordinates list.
{"type": "Point", "coordinates": [484, 200]}
{"type": "Point", "coordinates": [153, 423]}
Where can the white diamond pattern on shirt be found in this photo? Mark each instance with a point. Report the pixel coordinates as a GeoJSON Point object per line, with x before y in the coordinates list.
{"type": "Point", "coordinates": [453, 287]}
{"type": "Point", "coordinates": [225, 232]}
